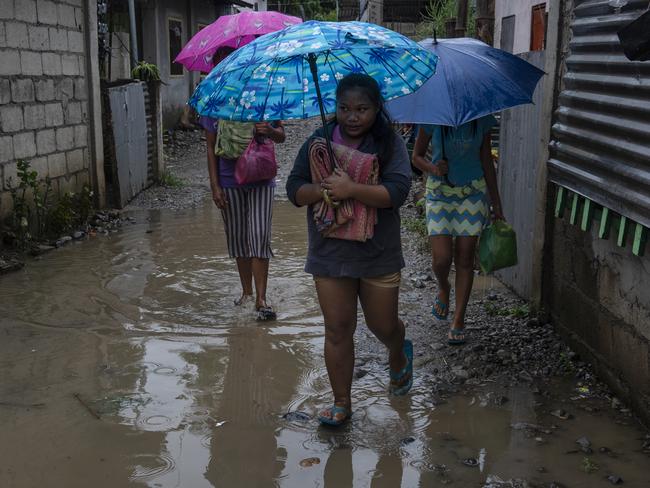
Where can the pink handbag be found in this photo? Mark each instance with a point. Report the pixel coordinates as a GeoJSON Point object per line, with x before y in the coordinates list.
{"type": "Point", "coordinates": [257, 163]}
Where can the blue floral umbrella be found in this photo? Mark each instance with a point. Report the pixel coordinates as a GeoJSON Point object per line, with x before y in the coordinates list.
{"type": "Point", "coordinates": [293, 73]}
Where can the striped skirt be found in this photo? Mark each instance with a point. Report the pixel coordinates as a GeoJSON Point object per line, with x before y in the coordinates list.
{"type": "Point", "coordinates": [456, 211]}
{"type": "Point", "coordinates": [247, 221]}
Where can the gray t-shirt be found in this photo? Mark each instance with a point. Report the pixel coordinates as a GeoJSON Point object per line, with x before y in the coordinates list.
{"type": "Point", "coordinates": [377, 256]}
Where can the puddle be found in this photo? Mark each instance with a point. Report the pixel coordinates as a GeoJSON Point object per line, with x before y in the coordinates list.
{"type": "Point", "coordinates": [191, 391]}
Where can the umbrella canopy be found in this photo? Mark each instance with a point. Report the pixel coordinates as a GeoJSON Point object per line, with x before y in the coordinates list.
{"type": "Point", "coordinates": [277, 76]}
{"type": "Point", "coordinates": [230, 31]}
{"type": "Point", "coordinates": [472, 80]}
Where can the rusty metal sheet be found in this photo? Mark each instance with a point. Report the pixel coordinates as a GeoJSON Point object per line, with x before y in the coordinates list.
{"type": "Point", "coordinates": [601, 133]}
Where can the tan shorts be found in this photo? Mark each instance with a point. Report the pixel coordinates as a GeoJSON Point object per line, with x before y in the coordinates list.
{"type": "Point", "coordinates": [390, 280]}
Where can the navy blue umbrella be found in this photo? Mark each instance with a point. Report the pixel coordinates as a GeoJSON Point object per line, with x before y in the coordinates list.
{"type": "Point", "coordinates": [472, 80]}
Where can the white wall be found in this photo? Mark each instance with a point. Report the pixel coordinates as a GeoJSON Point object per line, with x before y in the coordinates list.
{"type": "Point", "coordinates": [522, 10]}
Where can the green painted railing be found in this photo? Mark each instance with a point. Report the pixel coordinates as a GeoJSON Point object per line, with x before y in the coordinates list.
{"type": "Point", "coordinates": [584, 212]}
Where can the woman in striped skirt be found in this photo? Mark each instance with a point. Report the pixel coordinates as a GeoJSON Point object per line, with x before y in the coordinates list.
{"type": "Point", "coordinates": [458, 175]}
{"type": "Point", "coordinates": [247, 212]}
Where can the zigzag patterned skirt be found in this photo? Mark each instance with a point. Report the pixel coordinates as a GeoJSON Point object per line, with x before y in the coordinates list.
{"type": "Point", "coordinates": [456, 211]}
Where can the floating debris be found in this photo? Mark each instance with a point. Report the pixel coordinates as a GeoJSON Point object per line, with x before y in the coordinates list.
{"type": "Point", "coordinates": [309, 462]}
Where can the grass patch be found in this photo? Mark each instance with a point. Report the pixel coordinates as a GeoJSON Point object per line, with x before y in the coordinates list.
{"type": "Point", "coordinates": [169, 179]}
{"type": "Point", "coordinates": [418, 225]}
{"type": "Point", "coordinates": [589, 466]}
{"type": "Point", "coordinates": [518, 312]}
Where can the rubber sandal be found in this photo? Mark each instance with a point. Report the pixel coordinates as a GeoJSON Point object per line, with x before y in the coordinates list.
{"type": "Point", "coordinates": [455, 339]}
{"type": "Point", "coordinates": [406, 371]}
{"type": "Point", "coordinates": [334, 410]}
{"type": "Point", "coordinates": [265, 314]}
{"type": "Point", "coordinates": [442, 306]}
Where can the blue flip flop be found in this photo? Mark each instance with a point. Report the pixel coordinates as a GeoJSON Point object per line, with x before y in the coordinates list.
{"type": "Point", "coordinates": [407, 370]}
{"type": "Point", "coordinates": [442, 306]}
{"type": "Point", "coordinates": [456, 339]}
{"type": "Point", "coordinates": [334, 410]}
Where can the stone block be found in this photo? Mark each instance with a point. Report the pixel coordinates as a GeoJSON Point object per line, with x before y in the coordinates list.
{"type": "Point", "coordinates": [9, 176]}
{"type": "Point", "coordinates": [30, 63]}
{"type": "Point", "coordinates": [16, 33]}
{"type": "Point", "coordinates": [82, 65]}
{"type": "Point", "coordinates": [11, 118]}
{"type": "Point", "coordinates": [9, 63]}
{"type": "Point", "coordinates": [73, 113]}
{"type": "Point", "coordinates": [75, 160]}
{"type": "Point", "coordinates": [80, 89]}
{"type": "Point", "coordinates": [6, 149]}
{"type": "Point", "coordinates": [24, 145]}
{"type": "Point", "coordinates": [83, 178]}
{"type": "Point", "coordinates": [45, 142]}
{"type": "Point", "coordinates": [67, 184]}
{"type": "Point", "coordinates": [5, 91]}
{"type": "Point", "coordinates": [56, 165]}
{"type": "Point", "coordinates": [75, 41]}
{"type": "Point", "coordinates": [65, 138]}
{"type": "Point", "coordinates": [7, 9]}
{"type": "Point", "coordinates": [3, 39]}
{"type": "Point", "coordinates": [81, 136]}
{"type": "Point", "coordinates": [58, 39]}
{"type": "Point", "coordinates": [39, 38]}
{"type": "Point", "coordinates": [64, 89]}
{"type": "Point", "coordinates": [40, 166]}
{"type": "Point", "coordinates": [53, 114]}
{"type": "Point", "coordinates": [44, 90]}
{"type": "Point", "coordinates": [51, 64]}
{"type": "Point", "coordinates": [34, 116]}
{"type": "Point", "coordinates": [47, 12]}
{"type": "Point", "coordinates": [22, 90]}
{"type": "Point", "coordinates": [79, 16]}
{"type": "Point", "coordinates": [70, 65]}
{"type": "Point", "coordinates": [26, 11]}
{"type": "Point", "coordinates": [66, 15]}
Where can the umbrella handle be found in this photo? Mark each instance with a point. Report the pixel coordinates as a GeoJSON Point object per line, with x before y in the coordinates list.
{"type": "Point", "coordinates": [311, 58]}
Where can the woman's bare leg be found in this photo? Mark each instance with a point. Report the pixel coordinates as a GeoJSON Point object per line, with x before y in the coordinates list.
{"type": "Point", "coordinates": [441, 258]}
{"type": "Point", "coordinates": [338, 301]}
{"type": "Point", "coordinates": [464, 260]}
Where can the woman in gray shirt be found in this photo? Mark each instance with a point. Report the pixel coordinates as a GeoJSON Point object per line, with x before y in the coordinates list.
{"type": "Point", "coordinates": [346, 271]}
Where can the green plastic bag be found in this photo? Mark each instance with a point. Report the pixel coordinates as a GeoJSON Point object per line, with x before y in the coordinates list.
{"type": "Point", "coordinates": [497, 247]}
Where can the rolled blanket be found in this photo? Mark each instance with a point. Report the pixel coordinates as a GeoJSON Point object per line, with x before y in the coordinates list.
{"type": "Point", "coordinates": [352, 220]}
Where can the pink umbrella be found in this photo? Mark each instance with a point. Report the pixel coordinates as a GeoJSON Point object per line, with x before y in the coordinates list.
{"type": "Point", "coordinates": [230, 31]}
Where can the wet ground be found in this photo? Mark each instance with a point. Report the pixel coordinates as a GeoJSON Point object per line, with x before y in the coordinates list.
{"type": "Point", "coordinates": [123, 362]}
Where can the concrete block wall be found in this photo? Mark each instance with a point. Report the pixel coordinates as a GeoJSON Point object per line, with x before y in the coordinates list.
{"type": "Point", "coordinates": [597, 294]}
{"type": "Point", "coordinates": [43, 93]}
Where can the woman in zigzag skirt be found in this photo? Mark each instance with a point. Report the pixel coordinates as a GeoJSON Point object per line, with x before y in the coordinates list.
{"type": "Point", "coordinates": [459, 174]}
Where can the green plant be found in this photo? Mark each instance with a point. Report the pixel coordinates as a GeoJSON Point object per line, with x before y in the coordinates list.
{"type": "Point", "coordinates": [146, 72]}
{"type": "Point", "coordinates": [437, 13]}
{"type": "Point", "coordinates": [62, 216]}
{"type": "Point", "coordinates": [167, 178]}
{"type": "Point", "coordinates": [589, 466]}
{"type": "Point", "coordinates": [30, 202]}
{"type": "Point", "coordinates": [417, 225]}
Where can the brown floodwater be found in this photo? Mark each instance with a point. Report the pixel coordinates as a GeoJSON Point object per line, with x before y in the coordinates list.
{"type": "Point", "coordinates": [123, 362]}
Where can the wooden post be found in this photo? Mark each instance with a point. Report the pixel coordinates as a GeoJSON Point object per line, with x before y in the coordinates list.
{"type": "Point", "coordinates": [157, 129]}
{"type": "Point", "coordinates": [450, 28]}
{"type": "Point", "coordinates": [461, 18]}
{"type": "Point", "coordinates": [485, 21]}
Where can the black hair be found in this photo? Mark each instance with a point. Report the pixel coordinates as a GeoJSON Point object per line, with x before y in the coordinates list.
{"type": "Point", "coordinates": [223, 51]}
{"type": "Point", "coordinates": [382, 129]}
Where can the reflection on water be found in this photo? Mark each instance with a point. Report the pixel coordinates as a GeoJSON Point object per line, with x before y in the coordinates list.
{"type": "Point", "coordinates": [191, 390]}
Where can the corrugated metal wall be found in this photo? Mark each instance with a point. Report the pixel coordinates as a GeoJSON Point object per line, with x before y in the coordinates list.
{"type": "Point", "coordinates": [601, 135]}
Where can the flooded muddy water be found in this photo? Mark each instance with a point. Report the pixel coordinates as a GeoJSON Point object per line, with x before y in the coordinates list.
{"type": "Point", "coordinates": [123, 362]}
